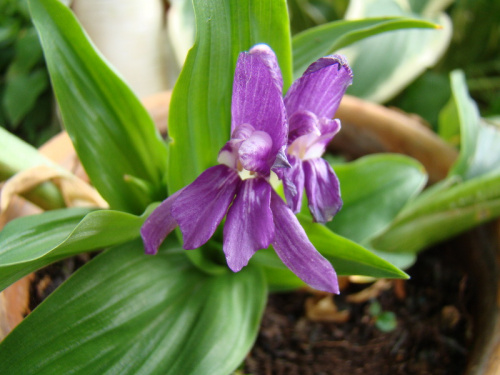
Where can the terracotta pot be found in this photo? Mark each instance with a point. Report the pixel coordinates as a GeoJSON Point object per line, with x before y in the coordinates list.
{"type": "Point", "coordinates": [14, 300]}
{"type": "Point", "coordinates": [368, 128]}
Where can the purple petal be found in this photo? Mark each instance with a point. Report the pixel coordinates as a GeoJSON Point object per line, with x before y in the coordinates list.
{"type": "Point", "coordinates": [316, 146]}
{"type": "Point", "coordinates": [269, 58]}
{"type": "Point", "coordinates": [322, 189]}
{"type": "Point", "coordinates": [281, 161]}
{"type": "Point", "coordinates": [321, 88]}
{"type": "Point", "coordinates": [158, 225]}
{"type": "Point", "coordinates": [302, 123]}
{"type": "Point", "coordinates": [202, 205]}
{"type": "Point", "coordinates": [254, 152]}
{"type": "Point", "coordinates": [242, 132]}
{"type": "Point", "coordinates": [297, 252]}
{"type": "Point", "coordinates": [249, 223]}
{"type": "Point", "coordinates": [257, 97]}
{"type": "Point", "coordinates": [293, 184]}
{"type": "Point", "coordinates": [327, 126]}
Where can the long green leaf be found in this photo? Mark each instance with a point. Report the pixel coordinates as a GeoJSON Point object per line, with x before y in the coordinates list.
{"type": "Point", "coordinates": [479, 141]}
{"type": "Point", "coordinates": [128, 313]}
{"type": "Point", "coordinates": [374, 190]}
{"type": "Point", "coordinates": [442, 215]}
{"type": "Point", "coordinates": [110, 129]}
{"type": "Point", "coordinates": [323, 40]}
{"type": "Point", "coordinates": [346, 256]}
{"type": "Point", "coordinates": [385, 64]}
{"type": "Point", "coordinates": [200, 110]}
{"type": "Point", "coordinates": [32, 242]}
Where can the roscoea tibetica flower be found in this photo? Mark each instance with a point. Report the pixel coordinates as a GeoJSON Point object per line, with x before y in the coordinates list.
{"type": "Point", "coordinates": [238, 188]}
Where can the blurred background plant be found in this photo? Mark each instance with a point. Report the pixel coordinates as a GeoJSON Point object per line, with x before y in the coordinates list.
{"type": "Point", "coordinates": [473, 49]}
{"type": "Point", "coordinates": [26, 99]}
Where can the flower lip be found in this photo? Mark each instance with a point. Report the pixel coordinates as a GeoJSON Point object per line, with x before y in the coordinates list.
{"type": "Point", "coordinates": [253, 152]}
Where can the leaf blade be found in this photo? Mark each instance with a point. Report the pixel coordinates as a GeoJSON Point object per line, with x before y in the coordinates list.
{"type": "Point", "coordinates": [348, 257]}
{"type": "Point", "coordinates": [199, 119]}
{"type": "Point", "coordinates": [374, 190]}
{"type": "Point", "coordinates": [319, 41]}
{"type": "Point", "coordinates": [385, 64]}
{"type": "Point", "coordinates": [100, 113]}
{"type": "Point", "coordinates": [31, 242]}
{"type": "Point", "coordinates": [157, 310]}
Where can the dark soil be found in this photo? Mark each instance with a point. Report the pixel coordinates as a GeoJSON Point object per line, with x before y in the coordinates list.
{"type": "Point", "coordinates": [432, 336]}
{"type": "Point", "coordinates": [49, 278]}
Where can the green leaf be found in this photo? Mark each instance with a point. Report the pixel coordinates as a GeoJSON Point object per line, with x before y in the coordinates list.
{"type": "Point", "coordinates": [442, 214]}
{"type": "Point", "coordinates": [9, 29]}
{"type": "Point", "coordinates": [346, 256]}
{"type": "Point", "coordinates": [479, 140]}
{"type": "Point", "coordinates": [374, 189]}
{"type": "Point", "coordinates": [426, 97]}
{"type": "Point", "coordinates": [32, 242]}
{"type": "Point", "coordinates": [200, 109]}
{"type": "Point", "coordinates": [323, 40]}
{"type": "Point", "coordinates": [430, 7]}
{"type": "Point", "coordinates": [128, 313]}
{"type": "Point", "coordinates": [28, 52]}
{"type": "Point", "coordinates": [306, 14]}
{"type": "Point", "coordinates": [385, 64]}
{"type": "Point", "coordinates": [110, 129]}
{"type": "Point", "coordinates": [21, 93]}
{"type": "Point", "coordinates": [279, 277]}
{"type": "Point", "coordinates": [386, 321]}
{"type": "Point", "coordinates": [402, 261]}
{"type": "Point", "coordinates": [24, 82]}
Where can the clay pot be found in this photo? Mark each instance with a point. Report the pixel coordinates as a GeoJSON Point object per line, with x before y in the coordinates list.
{"type": "Point", "coordinates": [368, 128]}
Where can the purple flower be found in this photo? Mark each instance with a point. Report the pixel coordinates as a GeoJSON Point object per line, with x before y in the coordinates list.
{"type": "Point", "coordinates": [239, 189]}
{"type": "Point", "coordinates": [310, 103]}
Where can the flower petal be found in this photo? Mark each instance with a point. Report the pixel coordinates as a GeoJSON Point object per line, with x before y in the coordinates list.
{"type": "Point", "coordinates": [281, 161]}
{"type": "Point", "coordinates": [249, 223]}
{"type": "Point", "coordinates": [201, 206]}
{"type": "Point", "coordinates": [322, 189]}
{"type": "Point", "coordinates": [327, 126]}
{"type": "Point", "coordinates": [321, 87]}
{"type": "Point", "coordinates": [293, 184]}
{"type": "Point", "coordinates": [297, 252]}
{"type": "Point", "coordinates": [301, 123]}
{"type": "Point", "coordinates": [257, 96]}
{"type": "Point", "coordinates": [269, 58]}
{"type": "Point", "coordinates": [254, 152]}
{"type": "Point", "coordinates": [317, 146]}
{"type": "Point", "coordinates": [158, 225]}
